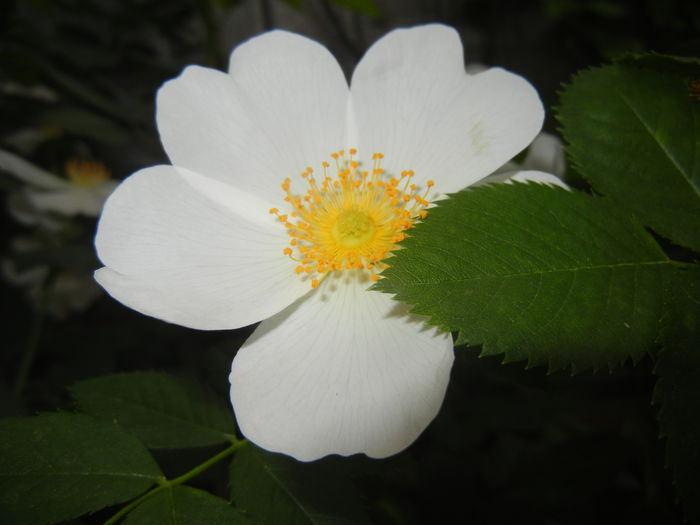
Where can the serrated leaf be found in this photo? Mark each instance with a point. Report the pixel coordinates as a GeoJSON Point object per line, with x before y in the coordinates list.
{"type": "Point", "coordinates": [274, 489]}
{"type": "Point", "coordinates": [181, 505]}
{"type": "Point", "coordinates": [59, 466]}
{"type": "Point", "coordinates": [162, 410]}
{"type": "Point", "coordinates": [535, 272]}
{"type": "Point", "coordinates": [634, 134]}
{"type": "Point", "coordinates": [684, 66]}
{"type": "Point", "coordinates": [678, 389]}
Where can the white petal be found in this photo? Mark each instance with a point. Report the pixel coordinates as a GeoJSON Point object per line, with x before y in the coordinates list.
{"type": "Point", "coordinates": [175, 254]}
{"type": "Point", "coordinates": [22, 210]}
{"type": "Point", "coordinates": [342, 371]}
{"type": "Point", "coordinates": [546, 153]}
{"type": "Point", "coordinates": [28, 277]}
{"type": "Point", "coordinates": [73, 200]}
{"type": "Point", "coordinates": [30, 173]}
{"type": "Point", "coordinates": [281, 109]}
{"type": "Point", "coordinates": [414, 102]}
{"type": "Point", "coordinates": [535, 176]}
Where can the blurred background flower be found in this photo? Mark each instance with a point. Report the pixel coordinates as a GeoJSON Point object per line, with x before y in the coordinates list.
{"type": "Point", "coordinates": [82, 191]}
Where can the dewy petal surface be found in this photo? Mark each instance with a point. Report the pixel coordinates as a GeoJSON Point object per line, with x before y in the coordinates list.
{"type": "Point", "coordinates": [412, 99]}
{"type": "Point", "coordinates": [282, 108]}
{"type": "Point", "coordinates": [176, 254]}
{"type": "Point", "coordinates": [342, 371]}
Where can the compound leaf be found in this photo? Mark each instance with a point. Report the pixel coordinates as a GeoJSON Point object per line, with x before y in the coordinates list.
{"type": "Point", "coordinates": [59, 466]}
{"type": "Point", "coordinates": [275, 489]}
{"type": "Point", "coordinates": [181, 505]}
{"type": "Point", "coordinates": [634, 134]}
{"type": "Point", "coordinates": [164, 411]}
{"type": "Point", "coordinates": [678, 389]}
{"type": "Point", "coordinates": [535, 272]}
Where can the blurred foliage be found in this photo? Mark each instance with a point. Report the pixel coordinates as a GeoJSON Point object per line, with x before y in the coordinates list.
{"type": "Point", "coordinates": [78, 78]}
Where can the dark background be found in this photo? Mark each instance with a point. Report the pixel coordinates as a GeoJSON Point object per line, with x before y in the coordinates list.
{"type": "Point", "coordinates": [509, 443]}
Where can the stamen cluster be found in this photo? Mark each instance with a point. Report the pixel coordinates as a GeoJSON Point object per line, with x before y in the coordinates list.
{"type": "Point", "coordinates": [87, 173]}
{"type": "Point", "coordinates": [352, 220]}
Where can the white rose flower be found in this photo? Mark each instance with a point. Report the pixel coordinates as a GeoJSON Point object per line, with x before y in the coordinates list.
{"type": "Point", "coordinates": [240, 229]}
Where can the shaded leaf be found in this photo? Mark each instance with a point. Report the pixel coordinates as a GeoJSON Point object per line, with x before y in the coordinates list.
{"type": "Point", "coordinates": [535, 272]}
{"type": "Point", "coordinates": [678, 389]}
{"type": "Point", "coordinates": [274, 489]}
{"type": "Point", "coordinates": [634, 134]}
{"type": "Point", "coordinates": [181, 505]}
{"type": "Point", "coordinates": [684, 66]}
{"type": "Point", "coordinates": [58, 466]}
{"type": "Point", "coordinates": [162, 410]}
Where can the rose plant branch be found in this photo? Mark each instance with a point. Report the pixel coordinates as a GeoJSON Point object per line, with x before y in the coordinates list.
{"type": "Point", "coordinates": [166, 483]}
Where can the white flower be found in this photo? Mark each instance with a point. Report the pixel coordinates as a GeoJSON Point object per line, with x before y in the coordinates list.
{"type": "Point", "coordinates": [211, 243]}
{"type": "Point", "coordinates": [544, 162]}
{"type": "Point", "coordinates": [46, 196]}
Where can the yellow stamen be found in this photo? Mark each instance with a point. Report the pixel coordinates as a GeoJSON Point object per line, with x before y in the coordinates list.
{"type": "Point", "coordinates": [352, 221]}
{"type": "Point", "coordinates": [87, 173]}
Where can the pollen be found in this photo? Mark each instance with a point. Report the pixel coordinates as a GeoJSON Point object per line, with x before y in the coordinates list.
{"type": "Point", "coordinates": [87, 173]}
{"type": "Point", "coordinates": [350, 219]}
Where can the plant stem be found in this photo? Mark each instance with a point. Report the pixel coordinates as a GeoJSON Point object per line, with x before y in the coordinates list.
{"type": "Point", "coordinates": [165, 484]}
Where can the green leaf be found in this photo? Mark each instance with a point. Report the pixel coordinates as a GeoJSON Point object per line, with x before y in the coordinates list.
{"type": "Point", "coordinates": [634, 133]}
{"type": "Point", "coordinates": [59, 466]}
{"type": "Point", "coordinates": [684, 66]}
{"type": "Point", "coordinates": [678, 389]}
{"type": "Point", "coordinates": [536, 272]}
{"type": "Point", "coordinates": [181, 505]}
{"type": "Point", "coordinates": [274, 489]}
{"type": "Point", "coordinates": [161, 410]}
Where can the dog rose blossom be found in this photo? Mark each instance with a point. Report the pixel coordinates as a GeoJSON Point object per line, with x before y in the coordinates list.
{"type": "Point", "coordinates": [288, 190]}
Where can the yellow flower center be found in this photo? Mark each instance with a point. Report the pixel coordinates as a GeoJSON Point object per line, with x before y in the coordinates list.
{"type": "Point", "coordinates": [86, 173]}
{"type": "Point", "coordinates": [352, 220]}
{"type": "Point", "coordinates": [353, 228]}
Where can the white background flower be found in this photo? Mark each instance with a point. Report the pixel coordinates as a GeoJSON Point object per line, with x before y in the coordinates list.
{"type": "Point", "coordinates": [544, 162]}
{"type": "Point", "coordinates": [45, 196]}
{"type": "Point", "coordinates": [338, 369]}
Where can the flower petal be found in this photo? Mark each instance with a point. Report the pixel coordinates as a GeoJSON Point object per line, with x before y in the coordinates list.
{"type": "Point", "coordinates": [30, 173]}
{"type": "Point", "coordinates": [536, 176]}
{"type": "Point", "coordinates": [281, 109]}
{"type": "Point", "coordinates": [176, 254]}
{"type": "Point", "coordinates": [546, 153]}
{"type": "Point", "coordinates": [22, 210]}
{"type": "Point", "coordinates": [73, 200]}
{"type": "Point", "coordinates": [414, 102]}
{"type": "Point", "coordinates": [508, 176]}
{"type": "Point", "coordinates": [342, 371]}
